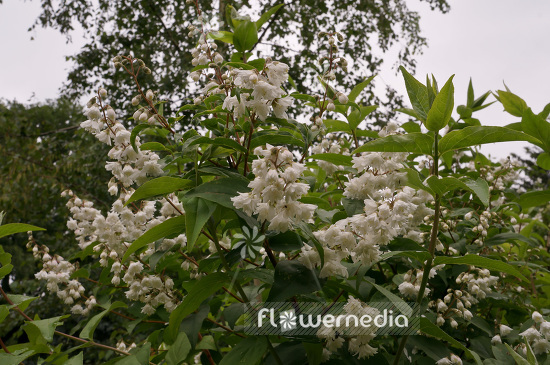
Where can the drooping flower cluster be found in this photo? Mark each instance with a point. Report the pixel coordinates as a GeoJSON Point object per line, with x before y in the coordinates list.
{"type": "Point", "coordinates": [358, 344]}
{"type": "Point", "coordinates": [113, 233]}
{"type": "Point", "coordinates": [276, 190]}
{"type": "Point", "coordinates": [57, 272]}
{"type": "Point", "coordinates": [475, 284]}
{"type": "Point", "coordinates": [538, 338]}
{"type": "Point", "coordinates": [390, 209]}
{"type": "Point", "coordinates": [410, 286]}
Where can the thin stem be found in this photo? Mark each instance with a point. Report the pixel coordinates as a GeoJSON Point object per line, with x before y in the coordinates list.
{"type": "Point", "coordinates": [431, 249]}
{"type": "Point", "coordinates": [61, 333]}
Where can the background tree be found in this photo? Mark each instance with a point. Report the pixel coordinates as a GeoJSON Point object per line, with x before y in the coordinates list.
{"type": "Point", "coordinates": [156, 31]}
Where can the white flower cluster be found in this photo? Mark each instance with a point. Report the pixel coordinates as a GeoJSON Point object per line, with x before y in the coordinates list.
{"type": "Point", "coordinates": [329, 145]}
{"type": "Point", "coordinates": [129, 166]}
{"type": "Point", "coordinates": [476, 284]}
{"type": "Point", "coordinates": [276, 190]}
{"type": "Point", "coordinates": [411, 282]}
{"type": "Point", "coordinates": [263, 91]}
{"type": "Point", "coordinates": [391, 209]}
{"type": "Point", "coordinates": [113, 233]}
{"type": "Point", "coordinates": [57, 272]}
{"type": "Point", "coordinates": [538, 338]}
{"type": "Point", "coordinates": [357, 345]}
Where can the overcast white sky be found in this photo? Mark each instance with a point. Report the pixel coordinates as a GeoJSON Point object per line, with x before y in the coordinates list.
{"type": "Point", "coordinates": [489, 40]}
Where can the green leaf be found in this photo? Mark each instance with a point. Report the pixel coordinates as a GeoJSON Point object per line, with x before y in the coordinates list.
{"type": "Point", "coordinates": [245, 36]}
{"type": "Point", "coordinates": [268, 14]}
{"type": "Point", "coordinates": [159, 186]}
{"type": "Point", "coordinates": [88, 330]}
{"type": "Point", "coordinates": [537, 127]}
{"type": "Point", "coordinates": [197, 212]}
{"type": "Point", "coordinates": [171, 227]}
{"type": "Point", "coordinates": [292, 278]}
{"type": "Point", "coordinates": [5, 270]}
{"type": "Point", "coordinates": [543, 160]}
{"type": "Point", "coordinates": [412, 143]}
{"type": "Point", "coordinates": [76, 360]}
{"type": "Point", "coordinates": [534, 199]}
{"type": "Point", "coordinates": [335, 158]}
{"type": "Point", "coordinates": [220, 191]}
{"type": "Point", "coordinates": [442, 108]}
{"type": "Point", "coordinates": [21, 301]}
{"type": "Point", "coordinates": [222, 36]}
{"type": "Point", "coordinates": [429, 328]}
{"type": "Point", "coordinates": [418, 94]}
{"type": "Point", "coordinates": [413, 180]}
{"type": "Point", "coordinates": [357, 116]}
{"type": "Point", "coordinates": [470, 97]}
{"type": "Point", "coordinates": [314, 352]}
{"type": "Point", "coordinates": [482, 262]}
{"type": "Point", "coordinates": [443, 185]}
{"type": "Point", "coordinates": [517, 357]}
{"type": "Point", "coordinates": [474, 136]}
{"type": "Point", "coordinates": [202, 289]}
{"type": "Point", "coordinates": [286, 241]}
{"type": "Point", "coordinates": [334, 125]}
{"type": "Point", "coordinates": [358, 88]}
{"type": "Point", "coordinates": [411, 127]}
{"type": "Point", "coordinates": [42, 331]}
{"type": "Point", "coordinates": [512, 103]}
{"type": "Point", "coordinates": [411, 113]}
{"type": "Point", "coordinates": [220, 141]}
{"type": "Point", "coordinates": [276, 138]}
{"type": "Point", "coordinates": [249, 351]}
{"type": "Point", "coordinates": [153, 146]}
{"type": "Point", "coordinates": [304, 97]}
{"type": "Point", "coordinates": [481, 189]}
{"type": "Point", "coordinates": [179, 350]}
{"type": "Point", "coordinates": [12, 228]}
{"type": "Point", "coordinates": [398, 302]}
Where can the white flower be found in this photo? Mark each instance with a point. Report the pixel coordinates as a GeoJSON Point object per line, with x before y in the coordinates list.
{"type": "Point", "coordinates": [496, 339]}
{"type": "Point", "coordinates": [537, 317]}
{"type": "Point", "coordinates": [531, 334]}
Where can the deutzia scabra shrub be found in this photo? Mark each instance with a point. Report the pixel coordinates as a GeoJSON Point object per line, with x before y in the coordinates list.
{"type": "Point", "coordinates": [236, 200]}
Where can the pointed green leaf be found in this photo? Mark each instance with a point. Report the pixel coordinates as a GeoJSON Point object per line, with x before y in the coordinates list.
{"type": "Point", "coordinates": [223, 36]}
{"type": "Point", "coordinates": [201, 290]}
{"type": "Point", "coordinates": [418, 94]}
{"type": "Point", "coordinates": [512, 103]}
{"type": "Point", "coordinates": [197, 212]}
{"type": "Point", "coordinates": [179, 350]}
{"type": "Point", "coordinates": [358, 88]}
{"type": "Point", "coordinates": [442, 108]}
{"type": "Point", "coordinates": [534, 199]}
{"type": "Point", "coordinates": [245, 36]}
{"type": "Point", "coordinates": [169, 228]}
{"type": "Point", "coordinates": [431, 329]}
{"type": "Point", "coordinates": [160, 186]}
{"type": "Point", "coordinates": [13, 228]}
{"type": "Point", "coordinates": [249, 351]}
{"type": "Point", "coordinates": [543, 160]}
{"type": "Point", "coordinates": [292, 278]}
{"type": "Point", "coordinates": [482, 262]}
{"type": "Point", "coordinates": [474, 136]}
{"type": "Point", "coordinates": [412, 143]}
{"type": "Point", "coordinates": [537, 127]}
{"type": "Point", "coordinates": [268, 14]}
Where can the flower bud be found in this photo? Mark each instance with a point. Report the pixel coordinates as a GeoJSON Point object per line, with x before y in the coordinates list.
{"type": "Point", "coordinates": [342, 98]}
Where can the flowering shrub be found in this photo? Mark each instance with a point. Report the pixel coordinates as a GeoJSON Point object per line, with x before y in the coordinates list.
{"type": "Point", "coordinates": [242, 203]}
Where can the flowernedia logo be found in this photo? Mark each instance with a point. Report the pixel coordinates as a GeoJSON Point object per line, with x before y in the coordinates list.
{"type": "Point", "coordinates": [345, 319]}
